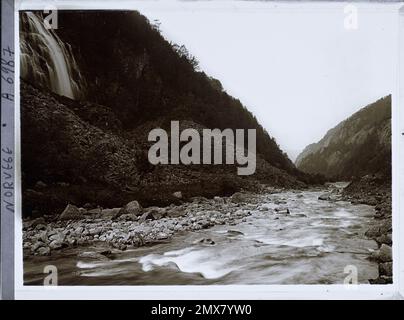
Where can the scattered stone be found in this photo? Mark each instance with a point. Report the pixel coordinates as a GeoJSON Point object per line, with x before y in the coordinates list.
{"type": "Point", "coordinates": [133, 208]}
{"type": "Point", "coordinates": [219, 200]}
{"type": "Point", "coordinates": [37, 221]}
{"type": "Point", "coordinates": [199, 200]}
{"type": "Point", "coordinates": [207, 241]}
{"type": "Point", "coordinates": [43, 251]}
{"type": "Point", "coordinates": [373, 232]}
{"type": "Point", "coordinates": [54, 245]}
{"type": "Point", "coordinates": [153, 213]}
{"type": "Point", "coordinates": [71, 212]}
{"type": "Point", "coordinates": [110, 213]}
{"type": "Point", "coordinates": [95, 231]}
{"type": "Point", "coordinates": [324, 197]}
{"type": "Point", "coordinates": [59, 237]}
{"type": "Point", "coordinates": [178, 194]}
{"type": "Point", "coordinates": [79, 230]}
{"type": "Point", "coordinates": [36, 246]}
{"type": "Point", "coordinates": [384, 254]}
{"type": "Point", "coordinates": [386, 269]}
{"type": "Point", "coordinates": [384, 238]}
{"type": "Point", "coordinates": [127, 217]}
{"type": "Point", "coordinates": [40, 227]}
{"type": "Point", "coordinates": [162, 236]}
{"type": "Point", "coordinates": [174, 212]}
{"type": "Point", "coordinates": [235, 233]}
{"type": "Point", "coordinates": [240, 197]}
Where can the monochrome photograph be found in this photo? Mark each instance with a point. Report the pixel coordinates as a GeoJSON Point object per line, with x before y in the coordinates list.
{"type": "Point", "coordinates": [207, 143]}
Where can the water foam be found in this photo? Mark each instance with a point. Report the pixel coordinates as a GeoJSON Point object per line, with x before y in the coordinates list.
{"type": "Point", "coordinates": [188, 260]}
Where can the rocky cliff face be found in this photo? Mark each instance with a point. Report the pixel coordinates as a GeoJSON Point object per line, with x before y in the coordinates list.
{"type": "Point", "coordinates": [358, 146]}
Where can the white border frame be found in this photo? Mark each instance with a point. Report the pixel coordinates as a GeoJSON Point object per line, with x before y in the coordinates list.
{"type": "Point", "coordinates": [202, 292]}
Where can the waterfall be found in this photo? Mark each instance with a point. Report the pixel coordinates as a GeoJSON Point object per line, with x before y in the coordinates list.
{"type": "Point", "coordinates": [47, 61]}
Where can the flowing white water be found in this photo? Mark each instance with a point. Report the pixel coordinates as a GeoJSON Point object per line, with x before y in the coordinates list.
{"type": "Point", "coordinates": [45, 60]}
{"type": "Point", "coordinates": [312, 245]}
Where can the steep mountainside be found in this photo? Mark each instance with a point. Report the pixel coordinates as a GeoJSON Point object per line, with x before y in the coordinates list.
{"type": "Point", "coordinates": [130, 80]}
{"type": "Point", "coordinates": [358, 146]}
{"type": "Point", "coordinates": [130, 67]}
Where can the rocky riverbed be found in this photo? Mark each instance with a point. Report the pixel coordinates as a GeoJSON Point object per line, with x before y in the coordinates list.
{"type": "Point", "coordinates": [285, 236]}
{"type": "Point", "coordinates": [375, 190]}
{"type": "Point", "coordinates": [132, 225]}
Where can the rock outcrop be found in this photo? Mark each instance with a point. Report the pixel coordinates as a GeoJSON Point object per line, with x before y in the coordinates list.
{"type": "Point", "coordinates": [358, 146]}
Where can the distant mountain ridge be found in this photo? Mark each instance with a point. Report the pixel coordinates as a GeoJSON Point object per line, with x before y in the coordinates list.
{"type": "Point", "coordinates": [357, 146]}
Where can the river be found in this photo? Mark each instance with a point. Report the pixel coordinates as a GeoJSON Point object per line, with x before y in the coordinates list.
{"type": "Point", "coordinates": [311, 245]}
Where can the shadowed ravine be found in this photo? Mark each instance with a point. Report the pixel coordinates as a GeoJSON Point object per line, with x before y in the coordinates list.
{"type": "Point", "coordinates": [312, 245]}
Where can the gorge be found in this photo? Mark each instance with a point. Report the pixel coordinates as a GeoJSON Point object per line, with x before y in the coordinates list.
{"type": "Point", "coordinates": [94, 204]}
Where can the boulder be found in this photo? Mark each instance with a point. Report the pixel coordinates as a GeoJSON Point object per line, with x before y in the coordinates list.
{"type": "Point", "coordinates": [110, 213]}
{"type": "Point", "coordinates": [240, 197]}
{"type": "Point", "coordinates": [43, 251]}
{"type": "Point", "coordinates": [36, 246]}
{"type": "Point", "coordinates": [71, 212]}
{"type": "Point", "coordinates": [324, 197]}
{"type": "Point", "coordinates": [153, 213]}
{"type": "Point", "coordinates": [384, 238]}
{"type": "Point", "coordinates": [207, 241]}
{"type": "Point", "coordinates": [161, 236]}
{"type": "Point", "coordinates": [37, 221]}
{"type": "Point", "coordinates": [219, 200]}
{"type": "Point", "coordinates": [175, 212]}
{"type": "Point", "coordinates": [127, 217]}
{"type": "Point", "coordinates": [178, 194]}
{"type": "Point", "coordinates": [55, 245]}
{"type": "Point", "coordinates": [198, 199]}
{"type": "Point", "coordinates": [235, 233]}
{"type": "Point", "coordinates": [373, 232]}
{"type": "Point", "coordinates": [95, 231]}
{"type": "Point", "coordinates": [79, 230]}
{"type": "Point", "coordinates": [132, 208]}
{"type": "Point", "coordinates": [386, 269]}
{"type": "Point", "coordinates": [385, 254]}
{"type": "Point", "coordinates": [58, 237]}
{"type": "Point", "coordinates": [40, 227]}
{"type": "Point", "coordinates": [204, 223]}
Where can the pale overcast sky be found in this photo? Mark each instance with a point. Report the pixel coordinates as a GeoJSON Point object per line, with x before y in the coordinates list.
{"type": "Point", "coordinates": [294, 66]}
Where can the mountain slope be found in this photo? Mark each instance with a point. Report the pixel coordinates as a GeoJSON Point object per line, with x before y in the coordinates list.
{"type": "Point", "coordinates": [358, 146]}
{"type": "Point", "coordinates": [144, 78]}
{"type": "Point", "coordinates": [131, 80]}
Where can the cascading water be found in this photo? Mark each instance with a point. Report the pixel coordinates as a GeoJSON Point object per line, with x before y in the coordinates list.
{"type": "Point", "coordinates": [47, 61]}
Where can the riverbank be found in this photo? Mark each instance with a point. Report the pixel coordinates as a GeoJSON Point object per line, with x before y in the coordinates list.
{"type": "Point", "coordinates": [133, 226]}
{"type": "Point", "coordinates": [376, 191]}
